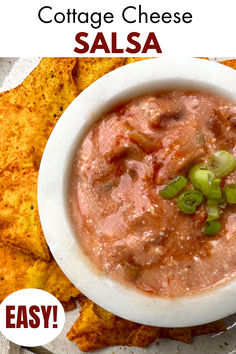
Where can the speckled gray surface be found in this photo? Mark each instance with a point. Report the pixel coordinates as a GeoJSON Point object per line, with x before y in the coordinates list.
{"type": "Point", "coordinates": [12, 72]}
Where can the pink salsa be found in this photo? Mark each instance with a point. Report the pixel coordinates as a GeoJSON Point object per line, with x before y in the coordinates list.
{"type": "Point", "coordinates": [127, 229]}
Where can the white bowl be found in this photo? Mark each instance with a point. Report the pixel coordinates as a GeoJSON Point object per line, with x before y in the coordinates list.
{"type": "Point", "coordinates": [120, 85]}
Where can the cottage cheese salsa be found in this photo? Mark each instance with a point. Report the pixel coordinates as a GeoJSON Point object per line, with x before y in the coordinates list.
{"type": "Point", "coordinates": [127, 229]}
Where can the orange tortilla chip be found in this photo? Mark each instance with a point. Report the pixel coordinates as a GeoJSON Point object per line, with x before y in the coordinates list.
{"type": "Point", "coordinates": [48, 90]}
{"type": "Point", "coordinates": [185, 334]}
{"type": "Point", "coordinates": [13, 268]}
{"type": "Point", "coordinates": [20, 271]}
{"type": "Point", "coordinates": [21, 133]}
{"type": "Point", "coordinates": [69, 305]}
{"type": "Point", "coordinates": [91, 69]}
{"type": "Point", "coordinates": [29, 112]}
{"type": "Point", "coordinates": [19, 221]}
{"type": "Point", "coordinates": [49, 277]}
{"type": "Point", "coordinates": [81, 298]}
{"type": "Point", "coordinates": [231, 63]}
{"type": "Point", "coordinates": [182, 334]}
{"type": "Point", "coordinates": [212, 327]}
{"type": "Point", "coordinates": [145, 336]}
{"type": "Point", "coordinates": [24, 163]}
{"type": "Point", "coordinates": [97, 328]}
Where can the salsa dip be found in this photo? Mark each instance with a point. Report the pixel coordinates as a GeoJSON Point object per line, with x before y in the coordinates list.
{"type": "Point", "coordinates": [125, 226]}
{"type": "Point", "coordinates": [117, 292]}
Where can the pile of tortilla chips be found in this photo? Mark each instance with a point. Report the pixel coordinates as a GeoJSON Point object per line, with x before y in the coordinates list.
{"type": "Point", "coordinates": [28, 114]}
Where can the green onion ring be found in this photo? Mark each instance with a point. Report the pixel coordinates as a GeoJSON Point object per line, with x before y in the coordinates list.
{"type": "Point", "coordinates": [189, 200]}
{"type": "Point", "coordinates": [223, 163]}
{"type": "Point", "coordinates": [211, 228]}
{"type": "Point", "coordinates": [214, 190]}
{"type": "Point", "coordinates": [230, 193]}
{"type": "Point", "coordinates": [201, 178]}
{"type": "Point", "coordinates": [213, 209]}
{"type": "Point", "coordinates": [173, 187]}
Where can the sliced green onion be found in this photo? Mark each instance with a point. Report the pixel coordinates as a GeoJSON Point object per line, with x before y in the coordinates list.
{"type": "Point", "coordinates": [223, 163]}
{"type": "Point", "coordinates": [201, 178]}
{"type": "Point", "coordinates": [214, 190]}
{"type": "Point", "coordinates": [230, 193]}
{"type": "Point", "coordinates": [173, 187]}
{"type": "Point", "coordinates": [207, 181]}
{"type": "Point", "coordinates": [189, 200]}
{"type": "Point", "coordinates": [212, 227]}
{"type": "Point", "coordinates": [213, 209]}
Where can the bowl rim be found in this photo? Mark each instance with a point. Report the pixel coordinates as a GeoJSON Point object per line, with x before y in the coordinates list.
{"type": "Point", "coordinates": [122, 84]}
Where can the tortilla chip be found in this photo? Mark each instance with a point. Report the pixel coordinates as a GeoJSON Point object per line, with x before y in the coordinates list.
{"type": "Point", "coordinates": [29, 112]}
{"type": "Point", "coordinates": [81, 298]}
{"type": "Point", "coordinates": [145, 336]}
{"type": "Point", "coordinates": [91, 69]}
{"type": "Point", "coordinates": [21, 132]}
{"type": "Point", "coordinates": [48, 90]}
{"type": "Point", "coordinates": [13, 268]}
{"type": "Point", "coordinates": [24, 163]}
{"type": "Point", "coordinates": [49, 277]}
{"type": "Point", "coordinates": [21, 271]}
{"type": "Point", "coordinates": [212, 327]}
{"type": "Point", "coordinates": [185, 334]}
{"type": "Point", "coordinates": [182, 334]}
{"type": "Point", "coordinates": [231, 63]}
{"type": "Point", "coordinates": [19, 221]}
{"type": "Point", "coordinates": [69, 305]}
{"type": "Point", "coordinates": [97, 328]}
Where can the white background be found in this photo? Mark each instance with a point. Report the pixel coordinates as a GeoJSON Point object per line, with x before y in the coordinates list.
{"type": "Point", "coordinates": [211, 33]}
